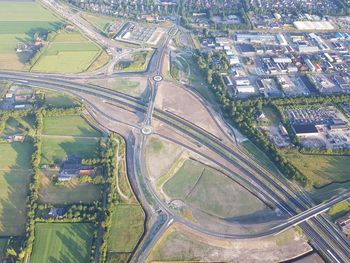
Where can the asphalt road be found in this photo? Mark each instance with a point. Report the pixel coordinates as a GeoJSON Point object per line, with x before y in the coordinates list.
{"type": "Point", "coordinates": [131, 102]}
{"type": "Point", "coordinates": [327, 239]}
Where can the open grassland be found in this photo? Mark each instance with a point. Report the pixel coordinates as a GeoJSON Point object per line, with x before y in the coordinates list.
{"type": "Point", "coordinates": [19, 21]}
{"type": "Point", "coordinates": [127, 228]}
{"type": "Point", "coordinates": [339, 210]}
{"type": "Point", "coordinates": [180, 245]}
{"type": "Point", "coordinates": [321, 194]}
{"type": "Point", "coordinates": [68, 52]}
{"type": "Point", "coordinates": [211, 191]}
{"type": "Point", "coordinates": [133, 87]}
{"type": "Point", "coordinates": [161, 155]}
{"type": "Point", "coordinates": [139, 62]}
{"type": "Point", "coordinates": [124, 185]}
{"type": "Point", "coordinates": [181, 184]}
{"type": "Point", "coordinates": [101, 23]}
{"type": "Point", "coordinates": [59, 100]}
{"type": "Point", "coordinates": [62, 242]}
{"type": "Point", "coordinates": [69, 125]}
{"type": "Point", "coordinates": [14, 179]}
{"type": "Point", "coordinates": [320, 169]}
{"type": "Point", "coordinates": [100, 61]}
{"type": "Point", "coordinates": [71, 192]}
{"type": "Point", "coordinates": [185, 69]}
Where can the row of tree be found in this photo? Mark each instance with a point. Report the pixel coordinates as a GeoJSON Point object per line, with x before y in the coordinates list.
{"type": "Point", "coordinates": [111, 189]}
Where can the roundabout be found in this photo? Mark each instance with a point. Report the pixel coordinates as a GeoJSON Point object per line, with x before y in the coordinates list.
{"type": "Point", "coordinates": [147, 130]}
{"type": "Point", "coordinates": [157, 78]}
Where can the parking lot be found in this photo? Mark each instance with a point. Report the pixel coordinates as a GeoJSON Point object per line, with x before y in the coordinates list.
{"type": "Point", "coordinates": [135, 33]}
{"type": "Point", "coordinates": [317, 116]}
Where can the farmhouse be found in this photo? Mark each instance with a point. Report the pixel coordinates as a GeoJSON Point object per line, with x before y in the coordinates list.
{"type": "Point", "coordinates": [57, 212]}
{"type": "Point", "coordinates": [73, 168]}
{"type": "Point", "coordinates": [15, 138]}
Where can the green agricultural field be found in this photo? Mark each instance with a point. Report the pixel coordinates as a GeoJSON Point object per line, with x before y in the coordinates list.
{"type": "Point", "coordinates": [62, 242]}
{"type": "Point", "coordinates": [19, 21]}
{"type": "Point", "coordinates": [68, 52]}
{"type": "Point", "coordinates": [15, 176]}
{"type": "Point", "coordinates": [68, 135]}
{"type": "Point", "coordinates": [102, 23]}
{"type": "Point", "coordinates": [211, 191]}
{"type": "Point", "coordinates": [71, 192]}
{"type": "Point", "coordinates": [127, 228]}
{"type": "Point", "coordinates": [57, 149]}
{"type": "Point", "coordinates": [15, 156]}
{"type": "Point", "coordinates": [59, 100]}
{"type": "Point", "coordinates": [69, 125]}
{"type": "Point", "coordinates": [139, 62]}
{"type": "Point", "coordinates": [320, 169]}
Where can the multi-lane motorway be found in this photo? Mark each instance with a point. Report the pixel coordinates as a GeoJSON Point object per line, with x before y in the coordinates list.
{"type": "Point", "coordinates": [326, 238]}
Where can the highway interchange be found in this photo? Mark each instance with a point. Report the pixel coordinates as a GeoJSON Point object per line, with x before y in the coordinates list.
{"type": "Point", "coordinates": [295, 205]}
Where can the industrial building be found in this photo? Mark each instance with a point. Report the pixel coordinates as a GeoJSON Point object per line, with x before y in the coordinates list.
{"type": "Point", "coordinates": [305, 130]}
{"type": "Point", "coordinates": [256, 38]}
{"type": "Point", "coordinates": [313, 25]}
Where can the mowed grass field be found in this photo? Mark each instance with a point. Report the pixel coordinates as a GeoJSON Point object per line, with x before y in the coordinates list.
{"type": "Point", "coordinates": [68, 52]}
{"type": "Point", "coordinates": [124, 85]}
{"type": "Point", "coordinates": [127, 228]}
{"type": "Point", "coordinates": [211, 191]}
{"type": "Point", "coordinates": [71, 192]}
{"type": "Point", "coordinates": [19, 21]}
{"type": "Point", "coordinates": [15, 173]}
{"type": "Point", "coordinates": [56, 150]}
{"type": "Point", "coordinates": [69, 125]}
{"type": "Point", "coordinates": [320, 169]}
{"type": "Point", "coordinates": [68, 135]}
{"type": "Point", "coordinates": [62, 242]}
